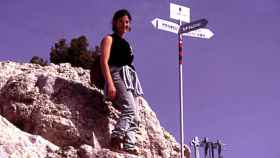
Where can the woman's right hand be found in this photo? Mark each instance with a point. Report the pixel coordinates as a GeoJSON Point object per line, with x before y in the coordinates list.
{"type": "Point", "coordinates": [111, 92]}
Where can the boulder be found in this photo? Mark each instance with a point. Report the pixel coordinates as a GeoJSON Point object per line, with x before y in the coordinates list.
{"type": "Point", "coordinates": [58, 107]}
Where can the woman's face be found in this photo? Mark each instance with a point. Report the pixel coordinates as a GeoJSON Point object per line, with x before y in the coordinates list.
{"type": "Point", "coordinates": [123, 25]}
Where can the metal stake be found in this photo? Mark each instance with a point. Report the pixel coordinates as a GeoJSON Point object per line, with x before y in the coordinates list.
{"type": "Point", "coordinates": [180, 44]}
{"type": "Point", "coordinates": [196, 145]}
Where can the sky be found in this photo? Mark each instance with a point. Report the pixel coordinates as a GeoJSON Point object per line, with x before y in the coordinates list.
{"type": "Point", "coordinates": [231, 81]}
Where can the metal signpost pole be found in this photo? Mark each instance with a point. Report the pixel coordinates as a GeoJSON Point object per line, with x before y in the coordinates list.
{"type": "Point", "coordinates": [192, 29]}
{"type": "Point", "coordinates": [180, 44]}
{"type": "Point", "coordinates": [185, 28]}
{"type": "Point", "coordinates": [182, 14]}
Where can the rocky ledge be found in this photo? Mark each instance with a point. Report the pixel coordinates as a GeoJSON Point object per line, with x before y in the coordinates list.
{"type": "Point", "coordinates": [54, 111]}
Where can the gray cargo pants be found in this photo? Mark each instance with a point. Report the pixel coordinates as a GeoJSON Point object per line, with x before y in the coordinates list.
{"type": "Point", "coordinates": [127, 124]}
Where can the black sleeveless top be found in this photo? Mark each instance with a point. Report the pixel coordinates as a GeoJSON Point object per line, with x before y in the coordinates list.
{"type": "Point", "coordinates": [121, 52]}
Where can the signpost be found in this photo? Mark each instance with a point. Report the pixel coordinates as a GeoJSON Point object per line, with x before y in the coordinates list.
{"type": "Point", "coordinates": [200, 33]}
{"type": "Point", "coordinates": [192, 29]}
{"type": "Point", "coordinates": [174, 28]}
{"type": "Point", "coordinates": [165, 25]}
{"type": "Point", "coordinates": [179, 12]}
{"type": "Point", "coordinates": [188, 27]}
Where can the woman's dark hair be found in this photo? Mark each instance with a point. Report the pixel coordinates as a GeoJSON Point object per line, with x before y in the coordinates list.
{"type": "Point", "coordinates": [118, 14]}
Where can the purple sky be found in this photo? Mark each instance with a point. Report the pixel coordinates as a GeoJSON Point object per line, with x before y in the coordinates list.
{"type": "Point", "coordinates": [231, 82]}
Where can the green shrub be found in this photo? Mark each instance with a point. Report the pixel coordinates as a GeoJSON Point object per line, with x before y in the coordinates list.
{"type": "Point", "coordinates": [76, 53]}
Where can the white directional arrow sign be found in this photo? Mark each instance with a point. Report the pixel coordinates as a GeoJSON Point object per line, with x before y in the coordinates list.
{"type": "Point", "coordinates": [200, 33]}
{"type": "Point", "coordinates": [173, 27]}
{"type": "Point", "coordinates": [165, 25]}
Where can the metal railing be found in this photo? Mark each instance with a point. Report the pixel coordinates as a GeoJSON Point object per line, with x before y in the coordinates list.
{"type": "Point", "coordinates": [209, 147]}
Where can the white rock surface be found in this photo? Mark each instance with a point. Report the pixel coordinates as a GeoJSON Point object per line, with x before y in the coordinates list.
{"type": "Point", "coordinates": [57, 104]}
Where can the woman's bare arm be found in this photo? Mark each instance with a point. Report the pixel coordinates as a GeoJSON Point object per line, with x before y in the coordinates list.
{"type": "Point", "coordinates": [106, 47]}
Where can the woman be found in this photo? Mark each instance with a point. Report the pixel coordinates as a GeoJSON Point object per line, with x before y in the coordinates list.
{"type": "Point", "coordinates": [121, 81]}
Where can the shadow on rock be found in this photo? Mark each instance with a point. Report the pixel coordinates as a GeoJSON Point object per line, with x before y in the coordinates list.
{"type": "Point", "coordinates": [69, 114]}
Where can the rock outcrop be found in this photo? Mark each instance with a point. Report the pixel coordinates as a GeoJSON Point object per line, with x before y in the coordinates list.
{"type": "Point", "coordinates": [55, 112]}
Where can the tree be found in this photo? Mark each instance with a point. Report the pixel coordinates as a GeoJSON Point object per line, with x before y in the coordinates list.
{"type": "Point", "coordinates": [59, 52]}
{"type": "Point", "coordinates": [77, 53]}
{"type": "Point", "coordinates": [38, 60]}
